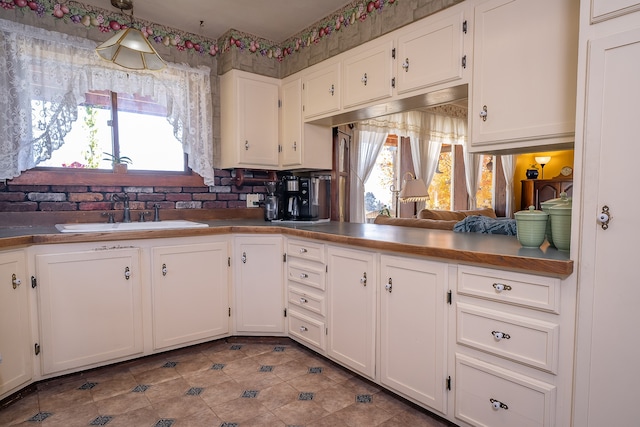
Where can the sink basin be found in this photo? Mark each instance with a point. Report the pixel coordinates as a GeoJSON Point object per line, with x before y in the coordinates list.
{"type": "Point", "coordinates": [102, 227]}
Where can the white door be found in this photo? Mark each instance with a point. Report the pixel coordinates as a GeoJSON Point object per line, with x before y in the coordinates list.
{"type": "Point", "coordinates": [608, 351]}
{"type": "Point", "coordinates": [412, 328]}
{"type": "Point", "coordinates": [15, 340]}
{"type": "Point", "coordinates": [190, 293]}
{"type": "Point", "coordinates": [351, 287]}
{"type": "Point", "coordinates": [259, 284]}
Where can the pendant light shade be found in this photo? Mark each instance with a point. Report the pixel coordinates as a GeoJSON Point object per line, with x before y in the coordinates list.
{"type": "Point", "coordinates": [130, 49]}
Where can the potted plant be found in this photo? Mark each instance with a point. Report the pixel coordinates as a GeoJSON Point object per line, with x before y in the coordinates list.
{"type": "Point", "coordinates": [532, 172]}
{"type": "Point", "coordinates": [119, 163]}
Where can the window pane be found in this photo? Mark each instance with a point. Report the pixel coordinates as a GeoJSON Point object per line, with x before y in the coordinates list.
{"type": "Point", "coordinates": [442, 183]}
{"type": "Point", "coordinates": [89, 138]}
{"type": "Point", "coordinates": [484, 196]}
{"type": "Point", "coordinates": [377, 193]}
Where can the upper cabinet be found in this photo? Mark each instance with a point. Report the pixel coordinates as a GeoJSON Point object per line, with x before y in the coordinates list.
{"type": "Point", "coordinates": [367, 74]}
{"type": "Point", "coordinates": [431, 52]}
{"type": "Point", "coordinates": [524, 74]}
{"type": "Point", "coordinates": [321, 90]}
{"type": "Point", "coordinates": [249, 120]}
{"type": "Point", "coordinates": [606, 9]}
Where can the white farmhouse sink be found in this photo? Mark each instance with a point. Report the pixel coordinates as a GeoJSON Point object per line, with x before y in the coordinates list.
{"type": "Point", "coordinates": [102, 227]}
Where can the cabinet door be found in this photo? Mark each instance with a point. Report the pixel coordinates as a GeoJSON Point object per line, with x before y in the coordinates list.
{"type": "Point", "coordinates": [412, 328]}
{"type": "Point", "coordinates": [190, 293]}
{"type": "Point", "coordinates": [524, 74]}
{"type": "Point", "coordinates": [608, 315]}
{"type": "Point", "coordinates": [367, 75]}
{"type": "Point", "coordinates": [351, 286]}
{"type": "Point", "coordinates": [90, 306]}
{"type": "Point", "coordinates": [430, 54]}
{"type": "Point", "coordinates": [321, 91]}
{"type": "Point", "coordinates": [15, 339]}
{"type": "Point", "coordinates": [291, 135]}
{"type": "Point", "coordinates": [259, 287]}
{"type": "Point", "coordinates": [607, 9]}
{"type": "Point", "coordinates": [258, 122]}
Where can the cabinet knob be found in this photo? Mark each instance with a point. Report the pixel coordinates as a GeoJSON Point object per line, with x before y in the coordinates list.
{"type": "Point", "coordinates": [303, 300]}
{"type": "Point", "coordinates": [127, 273]}
{"type": "Point", "coordinates": [244, 257]}
{"type": "Point", "coordinates": [303, 329]}
{"type": "Point", "coordinates": [303, 251]}
{"type": "Point", "coordinates": [389, 286]}
{"type": "Point", "coordinates": [483, 113]}
{"type": "Point", "coordinates": [15, 282]}
{"type": "Point", "coordinates": [332, 90]}
{"type": "Point", "coordinates": [246, 145]}
{"type": "Point", "coordinates": [498, 405]}
{"type": "Point", "coordinates": [499, 287]}
{"type": "Point", "coordinates": [405, 65]}
{"type": "Point", "coordinates": [604, 217]}
{"type": "Point", "coordinates": [295, 146]}
{"type": "Point", "coordinates": [500, 335]}
{"type": "Point", "coordinates": [363, 279]}
{"type": "Point", "coordinates": [304, 275]}
{"type": "Point", "coordinates": [364, 79]}
{"type": "Point", "coordinates": [164, 269]}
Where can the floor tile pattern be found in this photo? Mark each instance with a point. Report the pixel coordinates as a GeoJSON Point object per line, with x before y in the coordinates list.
{"type": "Point", "coordinates": [238, 382]}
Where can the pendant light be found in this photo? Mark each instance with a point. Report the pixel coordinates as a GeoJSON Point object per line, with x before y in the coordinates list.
{"type": "Point", "coordinates": [130, 48]}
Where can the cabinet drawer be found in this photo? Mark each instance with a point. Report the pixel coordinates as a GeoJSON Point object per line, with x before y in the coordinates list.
{"type": "Point", "coordinates": [307, 300]}
{"type": "Point", "coordinates": [525, 340]}
{"type": "Point", "coordinates": [526, 401]}
{"type": "Point", "coordinates": [526, 290]}
{"type": "Point", "coordinates": [310, 275]}
{"type": "Point", "coordinates": [305, 250]}
{"type": "Point", "coordinates": [306, 329]}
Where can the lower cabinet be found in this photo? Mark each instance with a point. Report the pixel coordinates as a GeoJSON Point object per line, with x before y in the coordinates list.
{"type": "Point", "coordinates": [352, 308]}
{"type": "Point", "coordinates": [413, 328]}
{"type": "Point", "coordinates": [90, 307]}
{"type": "Point", "coordinates": [259, 284]}
{"type": "Point", "coordinates": [190, 292]}
{"type": "Point", "coordinates": [16, 345]}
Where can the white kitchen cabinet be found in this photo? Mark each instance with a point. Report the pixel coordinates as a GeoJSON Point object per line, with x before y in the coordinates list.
{"type": "Point", "coordinates": [608, 349]}
{"type": "Point", "coordinates": [351, 288]}
{"type": "Point", "coordinates": [412, 328]}
{"type": "Point", "coordinates": [90, 306]}
{"type": "Point", "coordinates": [259, 285]}
{"type": "Point", "coordinates": [16, 345]}
{"type": "Point", "coordinates": [524, 75]}
{"type": "Point", "coordinates": [321, 90]}
{"type": "Point", "coordinates": [431, 51]}
{"type": "Point", "coordinates": [303, 145]}
{"type": "Point", "coordinates": [367, 74]}
{"type": "Point", "coordinates": [607, 9]}
{"type": "Point", "coordinates": [249, 120]}
{"type": "Point", "coordinates": [190, 292]}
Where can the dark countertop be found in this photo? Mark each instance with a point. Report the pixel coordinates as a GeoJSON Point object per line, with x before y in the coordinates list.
{"type": "Point", "coordinates": [503, 252]}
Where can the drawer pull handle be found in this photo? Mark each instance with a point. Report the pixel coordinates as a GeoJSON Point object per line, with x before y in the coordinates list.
{"type": "Point", "coordinates": [500, 335]}
{"type": "Point", "coordinates": [303, 300]}
{"type": "Point", "coordinates": [303, 329]}
{"type": "Point", "coordinates": [499, 287]}
{"type": "Point", "coordinates": [498, 405]}
{"type": "Point", "coordinates": [304, 275]}
{"type": "Point", "coordinates": [303, 251]}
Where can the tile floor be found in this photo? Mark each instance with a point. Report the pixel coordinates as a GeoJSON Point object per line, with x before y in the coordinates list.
{"type": "Point", "coordinates": [226, 383]}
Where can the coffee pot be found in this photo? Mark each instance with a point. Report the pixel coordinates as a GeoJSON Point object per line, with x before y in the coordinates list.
{"type": "Point", "coordinates": [293, 207]}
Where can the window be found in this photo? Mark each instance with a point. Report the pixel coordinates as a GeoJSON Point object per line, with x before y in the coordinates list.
{"type": "Point", "coordinates": [121, 125]}
{"type": "Point", "coordinates": [378, 196]}
{"type": "Point", "coordinates": [441, 187]}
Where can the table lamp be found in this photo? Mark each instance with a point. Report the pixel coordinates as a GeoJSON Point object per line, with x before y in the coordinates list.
{"type": "Point", "coordinates": [413, 190]}
{"type": "Point", "coordinates": [542, 160]}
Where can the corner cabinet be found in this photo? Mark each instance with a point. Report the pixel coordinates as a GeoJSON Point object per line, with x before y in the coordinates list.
{"type": "Point", "coordinates": [524, 75]}
{"type": "Point", "coordinates": [90, 306]}
{"type": "Point", "coordinates": [352, 308]}
{"type": "Point", "coordinates": [259, 285]}
{"type": "Point", "coordinates": [16, 345]}
{"type": "Point", "coordinates": [413, 328]}
{"type": "Point", "coordinates": [191, 280]}
{"type": "Point", "coordinates": [249, 120]}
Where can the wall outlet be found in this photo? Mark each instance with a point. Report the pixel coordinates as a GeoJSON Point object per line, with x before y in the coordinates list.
{"type": "Point", "coordinates": [252, 200]}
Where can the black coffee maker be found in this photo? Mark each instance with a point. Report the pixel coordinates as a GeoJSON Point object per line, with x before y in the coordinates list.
{"type": "Point", "coordinates": [291, 197]}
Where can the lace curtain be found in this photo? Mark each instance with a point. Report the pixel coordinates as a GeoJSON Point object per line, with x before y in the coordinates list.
{"type": "Point", "coordinates": [46, 75]}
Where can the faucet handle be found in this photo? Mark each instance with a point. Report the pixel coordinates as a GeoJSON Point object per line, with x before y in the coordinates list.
{"type": "Point", "coordinates": [156, 213]}
{"type": "Point", "coordinates": [141, 218]}
{"type": "Point", "coordinates": [111, 219]}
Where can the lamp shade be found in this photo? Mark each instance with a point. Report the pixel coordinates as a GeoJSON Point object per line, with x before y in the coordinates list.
{"type": "Point", "coordinates": [413, 190]}
{"type": "Point", "coordinates": [130, 49]}
{"type": "Point", "coordinates": [543, 160]}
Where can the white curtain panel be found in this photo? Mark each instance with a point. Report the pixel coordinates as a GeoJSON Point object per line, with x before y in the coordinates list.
{"type": "Point", "coordinates": [46, 75]}
{"type": "Point", "coordinates": [509, 168]}
{"type": "Point", "coordinates": [472, 173]}
{"type": "Point", "coordinates": [368, 143]}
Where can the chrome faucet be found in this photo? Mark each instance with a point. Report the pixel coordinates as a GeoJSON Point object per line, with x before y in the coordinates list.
{"type": "Point", "coordinates": [126, 211]}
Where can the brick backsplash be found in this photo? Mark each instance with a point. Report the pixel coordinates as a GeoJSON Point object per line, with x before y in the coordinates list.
{"type": "Point", "coordinates": [49, 198]}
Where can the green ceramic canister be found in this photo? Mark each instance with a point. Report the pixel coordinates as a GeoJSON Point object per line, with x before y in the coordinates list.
{"type": "Point", "coordinates": [531, 226]}
{"type": "Point", "coordinates": [545, 208]}
{"type": "Point", "coordinates": [560, 216]}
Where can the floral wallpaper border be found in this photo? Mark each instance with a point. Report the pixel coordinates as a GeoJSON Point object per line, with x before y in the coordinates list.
{"type": "Point", "coordinates": [73, 12]}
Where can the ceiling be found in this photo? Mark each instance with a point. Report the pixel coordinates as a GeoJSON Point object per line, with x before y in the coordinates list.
{"type": "Point", "coordinates": [274, 20]}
